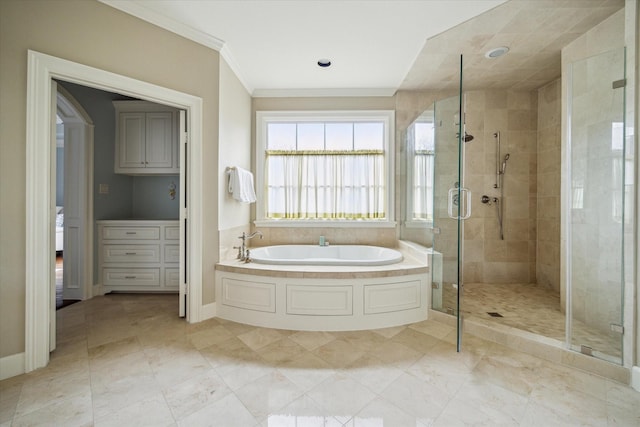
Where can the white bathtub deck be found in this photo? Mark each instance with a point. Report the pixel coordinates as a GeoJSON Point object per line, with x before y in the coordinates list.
{"type": "Point", "coordinates": [327, 298]}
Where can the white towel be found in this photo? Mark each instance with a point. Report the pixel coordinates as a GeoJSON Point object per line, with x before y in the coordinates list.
{"type": "Point", "coordinates": [241, 185]}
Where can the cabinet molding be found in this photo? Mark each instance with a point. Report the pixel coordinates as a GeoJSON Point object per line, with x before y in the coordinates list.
{"type": "Point", "coordinates": [146, 139]}
{"type": "Point", "coordinates": [138, 255]}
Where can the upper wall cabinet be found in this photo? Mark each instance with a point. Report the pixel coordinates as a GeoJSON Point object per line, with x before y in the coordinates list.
{"type": "Point", "coordinates": [146, 139]}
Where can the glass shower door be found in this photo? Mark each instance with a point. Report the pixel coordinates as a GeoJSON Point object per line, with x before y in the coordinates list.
{"type": "Point", "coordinates": [597, 212]}
{"type": "Point", "coordinates": [450, 206]}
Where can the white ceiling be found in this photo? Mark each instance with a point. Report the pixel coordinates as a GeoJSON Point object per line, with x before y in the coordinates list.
{"type": "Point", "coordinates": [274, 46]}
{"type": "Point", "coordinates": [379, 46]}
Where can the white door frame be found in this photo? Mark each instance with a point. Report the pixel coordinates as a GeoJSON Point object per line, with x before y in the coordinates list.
{"type": "Point", "coordinates": [40, 229]}
{"type": "Point", "coordinates": [78, 197]}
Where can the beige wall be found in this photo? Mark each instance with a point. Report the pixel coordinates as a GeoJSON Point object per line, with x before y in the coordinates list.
{"type": "Point", "coordinates": [235, 150]}
{"type": "Point", "coordinates": [94, 34]}
{"type": "Point", "coordinates": [309, 235]}
{"type": "Point", "coordinates": [548, 184]}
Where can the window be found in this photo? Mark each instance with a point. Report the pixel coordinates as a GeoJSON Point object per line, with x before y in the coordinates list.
{"type": "Point", "coordinates": [420, 146]}
{"type": "Point", "coordinates": [333, 167]}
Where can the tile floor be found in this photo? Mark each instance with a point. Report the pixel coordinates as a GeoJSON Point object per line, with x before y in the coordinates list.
{"type": "Point", "coordinates": [534, 309]}
{"type": "Point", "coordinates": [128, 360]}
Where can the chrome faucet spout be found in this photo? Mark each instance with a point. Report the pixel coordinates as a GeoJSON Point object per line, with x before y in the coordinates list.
{"type": "Point", "coordinates": [243, 252]}
{"type": "Point", "coordinates": [254, 234]}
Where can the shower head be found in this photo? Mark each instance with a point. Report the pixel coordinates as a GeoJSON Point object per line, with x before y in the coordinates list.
{"type": "Point", "coordinates": [506, 157]}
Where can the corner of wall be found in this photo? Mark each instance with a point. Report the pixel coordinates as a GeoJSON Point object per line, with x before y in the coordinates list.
{"type": "Point", "coordinates": [635, 378]}
{"type": "Point", "coordinates": [11, 366]}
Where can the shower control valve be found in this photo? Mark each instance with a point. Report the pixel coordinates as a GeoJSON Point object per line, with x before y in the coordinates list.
{"type": "Point", "coordinates": [488, 200]}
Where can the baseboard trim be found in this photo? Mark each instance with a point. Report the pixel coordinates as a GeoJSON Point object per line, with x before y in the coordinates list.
{"type": "Point", "coordinates": [208, 311]}
{"type": "Point", "coordinates": [635, 378]}
{"type": "Point", "coordinates": [11, 366]}
{"type": "Point", "coordinates": [96, 290]}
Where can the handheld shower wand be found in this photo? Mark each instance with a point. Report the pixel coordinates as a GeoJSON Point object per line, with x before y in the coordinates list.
{"type": "Point", "coordinates": [504, 164]}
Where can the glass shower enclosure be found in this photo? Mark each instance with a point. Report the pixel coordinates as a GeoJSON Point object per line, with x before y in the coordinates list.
{"type": "Point", "coordinates": [597, 209]}
{"type": "Point", "coordinates": [451, 206]}
{"type": "Point", "coordinates": [437, 201]}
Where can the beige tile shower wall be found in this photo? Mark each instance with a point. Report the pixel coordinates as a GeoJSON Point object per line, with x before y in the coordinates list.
{"type": "Point", "coordinates": [549, 166]}
{"type": "Point", "coordinates": [334, 236]}
{"type": "Point", "coordinates": [487, 257]}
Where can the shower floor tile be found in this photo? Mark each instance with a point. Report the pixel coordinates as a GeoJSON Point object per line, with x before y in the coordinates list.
{"type": "Point", "coordinates": [531, 308]}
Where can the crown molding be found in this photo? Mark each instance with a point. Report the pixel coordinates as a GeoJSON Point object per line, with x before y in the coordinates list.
{"type": "Point", "coordinates": [313, 93]}
{"type": "Point", "coordinates": [231, 62]}
{"type": "Point", "coordinates": [138, 10]}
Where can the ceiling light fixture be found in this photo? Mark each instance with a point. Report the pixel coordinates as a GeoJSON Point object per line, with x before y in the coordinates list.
{"type": "Point", "coordinates": [324, 63]}
{"type": "Point", "coordinates": [497, 52]}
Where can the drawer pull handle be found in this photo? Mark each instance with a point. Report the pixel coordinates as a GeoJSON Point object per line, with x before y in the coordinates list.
{"type": "Point", "coordinates": [130, 277]}
{"type": "Point", "coordinates": [131, 232]}
{"type": "Point", "coordinates": [131, 253]}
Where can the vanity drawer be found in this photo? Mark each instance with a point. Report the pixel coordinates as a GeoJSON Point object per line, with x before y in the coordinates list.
{"type": "Point", "coordinates": [131, 253]}
{"type": "Point", "coordinates": [172, 233]}
{"type": "Point", "coordinates": [171, 277]}
{"type": "Point", "coordinates": [132, 276]}
{"type": "Point", "coordinates": [130, 233]}
{"type": "Point", "coordinates": [171, 253]}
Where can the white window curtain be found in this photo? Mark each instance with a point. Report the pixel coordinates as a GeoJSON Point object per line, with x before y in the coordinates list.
{"type": "Point", "coordinates": [423, 185]}
{"type": "Point", "coordinates": [325, 185]}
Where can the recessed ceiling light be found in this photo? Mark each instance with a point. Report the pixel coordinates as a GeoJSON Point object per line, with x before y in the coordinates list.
{"type": "Point", "coordinates": [497, 52]}
{"type": "Point", "coordinates": [324, 63]}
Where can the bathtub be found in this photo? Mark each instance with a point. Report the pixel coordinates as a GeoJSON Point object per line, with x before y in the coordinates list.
{"type": "Point", "coordinates": [354, 255]}
{"type": "Point", "coordinates": [298, 290]}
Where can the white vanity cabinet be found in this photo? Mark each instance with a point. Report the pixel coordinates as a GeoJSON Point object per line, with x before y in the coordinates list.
{"type": "Point", "coordinates": [139, 255]}
{"type": "Point", "coordinates": [146, 139]}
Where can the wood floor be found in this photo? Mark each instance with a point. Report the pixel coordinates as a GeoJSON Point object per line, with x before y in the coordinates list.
{"type": "Point", "coordinates": [60, 302]}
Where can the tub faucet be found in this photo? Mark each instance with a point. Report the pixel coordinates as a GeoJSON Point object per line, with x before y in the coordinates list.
{"type": "Point", "coordinates": [243, 252]}
{"type": "Point", "coordinates": [254, 234]}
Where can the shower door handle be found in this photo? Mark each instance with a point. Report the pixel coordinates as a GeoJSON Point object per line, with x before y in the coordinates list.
{"type": "Point", "coordinates": [467, 202]}
{"type": "Point", "coordinates": [452, 200]}
{"type": "Point", "coordinates": [456, 195]}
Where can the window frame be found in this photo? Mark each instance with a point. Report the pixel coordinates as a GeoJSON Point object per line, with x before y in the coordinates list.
{"type": "Point", "coordinates": [409, 221]}
{"type": "Point", "coordinates": [263, 118]}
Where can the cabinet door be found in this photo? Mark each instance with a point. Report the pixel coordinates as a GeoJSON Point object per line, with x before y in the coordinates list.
{"type": "Point", "coordinates": [159, 149]}
{"type": "Point", "coordinates": [131, 141]}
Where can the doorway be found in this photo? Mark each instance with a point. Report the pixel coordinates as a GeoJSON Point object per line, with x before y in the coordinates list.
{"type": "Point", "coordinates": [42, 69]}
{"type": "Point", "coordinates": [73, 198]}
